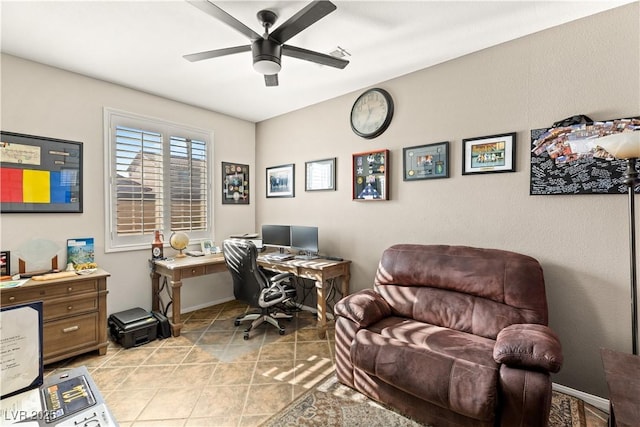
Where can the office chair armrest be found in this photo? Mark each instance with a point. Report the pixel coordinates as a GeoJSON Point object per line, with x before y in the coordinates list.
{"type": "Point", "coordinates": [280, 277]}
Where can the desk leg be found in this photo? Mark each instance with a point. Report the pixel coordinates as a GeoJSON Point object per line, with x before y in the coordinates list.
{"type": "Point", "coordinates": [322, 309]}
{"type": "Point", "coordinates": [176, 323]}
{"type": "Point", "coordinates": [155, 291]}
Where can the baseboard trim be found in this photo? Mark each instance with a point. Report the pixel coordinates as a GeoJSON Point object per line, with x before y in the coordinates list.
{"type": "Point", "coordinates": [205, 305]}
{"type": "Point", "coordinates": [598, 402]}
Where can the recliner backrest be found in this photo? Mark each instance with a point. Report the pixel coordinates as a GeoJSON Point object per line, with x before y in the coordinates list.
{"type": "Point", "coordinates": [473, 290]}
{"type": "Point", "coordinates": [248, 280]}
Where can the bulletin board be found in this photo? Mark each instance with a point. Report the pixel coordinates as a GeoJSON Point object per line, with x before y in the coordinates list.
{"type": "Point", "coordinates": [566, 160]}
{"type": "Point", "coordinates": [39, 174]}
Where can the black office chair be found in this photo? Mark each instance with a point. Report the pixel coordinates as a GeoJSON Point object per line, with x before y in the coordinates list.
{"type": "Point", "coordinates": [251, 286]}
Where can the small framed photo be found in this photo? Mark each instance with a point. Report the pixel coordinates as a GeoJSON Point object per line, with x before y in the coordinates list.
{"type": "Point", "coordinates": [207, 246]}
{"type": "Point", "coordinates": [371, 175]}
{"type": "Point", "coordinates": [281, 181]}
{"type": "Point", "coordinates": [320, 175]}
{"type": "Point", "coordinates": [235, 184]}
{"type": "Point", "coordinates": [489, 154]}
{"type": "Point", "coordinates": [426, 161]}
{"type": "Point", "coordinates": [5, 263]}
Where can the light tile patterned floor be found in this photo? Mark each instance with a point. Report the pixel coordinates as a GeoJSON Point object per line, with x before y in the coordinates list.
{"type": "Point", "coordinates": [211, 376]}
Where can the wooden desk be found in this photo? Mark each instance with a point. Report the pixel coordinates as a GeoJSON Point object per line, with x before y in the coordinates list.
{"type": "Point", "coordinates": [320, 270]}
{"type": "Point", "coordinates": [622, 372]}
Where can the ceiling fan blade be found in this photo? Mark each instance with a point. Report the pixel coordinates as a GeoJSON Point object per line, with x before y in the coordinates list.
{"type": "Point", "coordinates": [213, 10]}
{"type": "Point", "coordinates": [271, 79]}
{"type": "Point", "coordinates": [193, 57]}
{"type": "Point", "coordinates": [307, 16]}
{"type": "Point", "coordinates": [317, 57]}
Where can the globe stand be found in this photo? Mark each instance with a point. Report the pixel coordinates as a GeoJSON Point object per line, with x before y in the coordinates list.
{"type": "Point", "coordinates": [179, 241]}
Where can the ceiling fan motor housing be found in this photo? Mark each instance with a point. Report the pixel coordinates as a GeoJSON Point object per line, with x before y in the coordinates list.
{"type": "Point", "coordinates": [266, 56]}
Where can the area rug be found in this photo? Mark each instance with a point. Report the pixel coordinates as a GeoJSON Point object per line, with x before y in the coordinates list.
{"type": "Point", "coordinates": [332, 404]}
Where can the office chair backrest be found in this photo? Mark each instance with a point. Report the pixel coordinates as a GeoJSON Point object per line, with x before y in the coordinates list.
{"type": "Point", "coordinates": [241, 257]}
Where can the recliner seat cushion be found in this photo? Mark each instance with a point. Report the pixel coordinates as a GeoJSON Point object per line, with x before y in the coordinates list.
{"type": "Point", "coordinates": [448, 368]}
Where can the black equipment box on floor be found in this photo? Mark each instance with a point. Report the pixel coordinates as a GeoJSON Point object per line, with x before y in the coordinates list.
{"type": "Point", "coordinates": [134, 327]}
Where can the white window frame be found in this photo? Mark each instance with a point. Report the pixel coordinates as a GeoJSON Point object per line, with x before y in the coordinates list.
{"type": "Point", "coordinates": [112, 118]}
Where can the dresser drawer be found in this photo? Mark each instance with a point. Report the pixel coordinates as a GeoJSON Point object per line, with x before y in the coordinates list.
{"type": "Point", "coordinates": [46, 291]}
{"type": "Point", "coordinates": [69, 307]}
{"type": "Point", "coordinates": [67, 335]}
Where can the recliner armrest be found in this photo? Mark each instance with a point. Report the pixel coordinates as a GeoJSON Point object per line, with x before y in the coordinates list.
{"type": "Point", "coordinates": [363, 308]}
{"type": "Point", "coordinates": [529, 346]}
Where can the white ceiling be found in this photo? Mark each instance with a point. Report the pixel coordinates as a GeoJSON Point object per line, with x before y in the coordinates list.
{"type": "Point", "coordinates": [139, 44]}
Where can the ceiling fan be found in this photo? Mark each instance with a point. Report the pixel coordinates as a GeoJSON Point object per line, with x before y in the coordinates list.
{"type": "Point", "coordinates": [268, 48]}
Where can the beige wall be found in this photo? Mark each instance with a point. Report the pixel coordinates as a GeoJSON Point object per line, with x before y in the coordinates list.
{"type": "Point", "coordinates": [587, 67]}
{"type": "Point", "coordinates": [45, 101]}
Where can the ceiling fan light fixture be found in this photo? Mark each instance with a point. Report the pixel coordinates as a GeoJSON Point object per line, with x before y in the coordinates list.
{"type": "Point", "coordinates": [267, 66]}
{"type": "Point", "coordinates": [266, 56]}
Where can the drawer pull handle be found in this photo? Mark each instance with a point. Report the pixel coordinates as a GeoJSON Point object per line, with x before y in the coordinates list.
{"type": "Point", "coordinates": [71, 329]}
{"type": "Point", "coordinates": [12, 298]}
{"type": "Point", "coordinates": [193, 271]}
{"type": "Point", "coordinates": [69, 289]}
{"type": "Point", "coordinates": [70, 308]}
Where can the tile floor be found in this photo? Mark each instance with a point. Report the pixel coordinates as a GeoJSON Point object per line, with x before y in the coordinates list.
{"type": "Point", "coordinates": [211, 376]}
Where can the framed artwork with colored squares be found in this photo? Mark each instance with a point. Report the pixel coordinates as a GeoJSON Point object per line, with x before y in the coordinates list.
{"type": "Point", "coordinates": [235, 184]}
{"type": "Point", "coordinates": [39, 174]}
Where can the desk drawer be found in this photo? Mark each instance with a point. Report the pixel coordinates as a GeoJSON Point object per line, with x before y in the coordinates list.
{"type": "Point", "coordinates": [46, 291]}
{"type": "Point", "coordinates": [67, 335]}
{"type": "Point", "coordinates": [195, 271]}
{"type": "Point", "coordinates": [70, 307]}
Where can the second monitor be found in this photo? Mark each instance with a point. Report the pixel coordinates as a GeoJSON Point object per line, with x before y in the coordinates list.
{"type": "Point", "coordinates": [305, 239]}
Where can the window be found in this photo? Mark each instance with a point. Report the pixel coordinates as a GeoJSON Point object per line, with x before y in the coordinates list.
{"type": "Point", "coordinates": [158, 179]}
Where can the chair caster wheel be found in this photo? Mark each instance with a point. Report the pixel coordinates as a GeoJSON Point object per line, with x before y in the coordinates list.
{"type": "Point", "coordinates": [246, 337]}
{"type": "Point", "coordinates": [281, 331]}
{"type": "Point", "coordinates": [236, 323]}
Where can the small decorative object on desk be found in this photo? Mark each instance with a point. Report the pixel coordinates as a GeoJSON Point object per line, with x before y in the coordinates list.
{"type": "Point", "coordinates": [207, 246]}
{"type": "Point", "coordinates": [179, 241]}
{"type": "Point", "coordinates": [156, 245]}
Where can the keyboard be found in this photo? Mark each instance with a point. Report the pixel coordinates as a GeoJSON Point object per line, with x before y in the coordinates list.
{"type": "Point", "coordinates": [279, 257]}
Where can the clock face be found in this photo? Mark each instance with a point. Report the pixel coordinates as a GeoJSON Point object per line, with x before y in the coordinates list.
{"type": "Point", "coordinates": [371, 113]}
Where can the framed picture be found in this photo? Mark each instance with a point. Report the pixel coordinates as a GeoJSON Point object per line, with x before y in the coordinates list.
{"type": "Point", "coordinates": [281, 181]}
{"type": "Point", "coordinates": [39, 174]}
{"type": "Point", "coordinates": [207, 246]}
{"type": "Point", "coordinates": [489, 154]}
{"type": "Point", "coordinates": [320, 175]}
{"type": "Point", "coordinates": [426, 161]}
{"type": "Point", "coordinates": [235, 184]}
{"type": "Point", "coordinates": [5, 263]}
{"type": "Point", "coordinates": [371, 175]}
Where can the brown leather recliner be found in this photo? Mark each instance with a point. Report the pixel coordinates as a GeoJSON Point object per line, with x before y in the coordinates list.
{"type": "Point", "coordinates": [451, 336]}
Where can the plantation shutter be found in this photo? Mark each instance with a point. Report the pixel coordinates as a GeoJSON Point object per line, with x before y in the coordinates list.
{"type": "Point", "coordinates": [139, 183]}
{"type": "Point", "coordinates": [188, 183]}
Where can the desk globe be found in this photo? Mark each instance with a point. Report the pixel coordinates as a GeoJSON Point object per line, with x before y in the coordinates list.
{"type": "Point", "coordinates": [179, 241]}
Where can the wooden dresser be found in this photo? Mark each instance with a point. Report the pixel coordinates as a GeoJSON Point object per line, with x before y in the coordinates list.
{"type": "Point", "coordinates": [75, 313]}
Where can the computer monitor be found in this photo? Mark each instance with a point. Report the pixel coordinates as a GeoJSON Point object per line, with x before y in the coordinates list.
{"type": "Point", "coordinates": [305, 238]}
{"type": "Point", "coordinates": [278, 236]}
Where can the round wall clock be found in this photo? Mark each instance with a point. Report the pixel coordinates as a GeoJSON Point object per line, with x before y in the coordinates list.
{"type": "Point", "coordinates": [372, 112]}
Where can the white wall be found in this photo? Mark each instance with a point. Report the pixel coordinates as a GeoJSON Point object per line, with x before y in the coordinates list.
{"type": "Point", "coordinates": [45, 101]}
{"type": "Point", "coordinates": [591, 67]}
